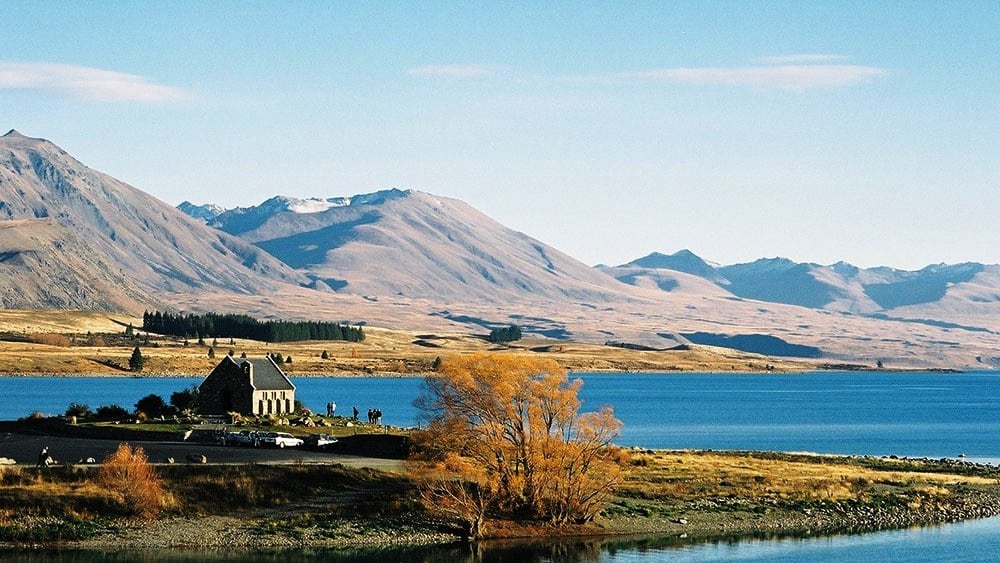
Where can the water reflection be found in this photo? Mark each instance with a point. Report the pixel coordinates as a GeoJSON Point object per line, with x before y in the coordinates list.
{"type": "Point", "coordinates": [487, 552]}
{"type": "Point", "coordinates": [977, 540]}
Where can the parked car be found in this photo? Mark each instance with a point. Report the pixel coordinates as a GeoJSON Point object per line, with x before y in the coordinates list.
{"type": "Point", "coordinates": [320, 441]}
{"type": "Point", "coordinates": [279, 439]}
{"type": "Point", "coordinates": [241, 438]}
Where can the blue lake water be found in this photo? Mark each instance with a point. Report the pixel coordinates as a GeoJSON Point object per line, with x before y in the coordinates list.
{"type": "Point", "coordinates": [912, 414]}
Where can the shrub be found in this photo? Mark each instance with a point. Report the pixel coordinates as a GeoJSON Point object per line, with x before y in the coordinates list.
{"type": "Point", "coordinates": [134, 483]}
{"type": "Point", "coordinates": [152, 406]}
{"type": "Point", "coordinates": [186, 399]}
{"type": "Point", "coordinates": [78, 410]}
{"type": "Point", "coordinates": [111, 412]}
{"type": "Point", "coordinates": [50, 339]}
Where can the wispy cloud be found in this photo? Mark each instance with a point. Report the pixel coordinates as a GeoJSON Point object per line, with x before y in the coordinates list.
{"type": "Point", "coordinates": [85, 83]}
{"type": "Point", "coordinates": [801, 58]}
{"type": "Point", "coordinates": [783, 77]}
{"type": "Point", "coordinates": [453, 71]}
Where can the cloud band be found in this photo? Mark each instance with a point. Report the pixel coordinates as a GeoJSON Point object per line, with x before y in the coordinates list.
{"type": "Point", "coordinates": [86, 83]}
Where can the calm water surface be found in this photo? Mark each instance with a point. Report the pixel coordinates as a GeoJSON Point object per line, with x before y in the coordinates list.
{"type": "Point", "coordinates": [914, 414]}
{"type": "Point", "coordinates": [968, 541]}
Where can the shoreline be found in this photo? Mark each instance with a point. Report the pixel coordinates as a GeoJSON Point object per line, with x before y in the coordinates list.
{"type": "Point", "coordinates": [355, 374]}
{"type": "Point", "coordinates": [719, 504]}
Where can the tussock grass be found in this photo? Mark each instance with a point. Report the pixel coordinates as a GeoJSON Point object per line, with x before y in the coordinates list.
{"type": "Point", "coordinates": [690, 475]}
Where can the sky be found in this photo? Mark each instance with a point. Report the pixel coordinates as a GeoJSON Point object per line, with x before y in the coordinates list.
{"type": "Point", "coordinates": [818, 131]}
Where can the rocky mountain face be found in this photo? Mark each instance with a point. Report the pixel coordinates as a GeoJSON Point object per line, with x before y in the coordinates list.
{"type": "Point", "coordinates": [204, 213]}
{"type": "Point", "coordinates": [413, 244]}
{"type": "Point", "coordinates": [73, 237]}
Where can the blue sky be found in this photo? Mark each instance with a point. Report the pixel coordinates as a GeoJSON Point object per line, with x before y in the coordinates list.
{"type": "Point", "coordinates": [818, 131]}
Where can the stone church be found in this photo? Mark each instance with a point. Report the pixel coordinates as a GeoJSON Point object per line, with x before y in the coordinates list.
{"type": "Point", "coordinates": [246, 386]}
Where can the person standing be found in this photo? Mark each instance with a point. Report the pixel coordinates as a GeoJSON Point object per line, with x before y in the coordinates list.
{"type": "Point", "coordinates": [43, 457]}
{"type": "Point", "coordinates": [333, 408]}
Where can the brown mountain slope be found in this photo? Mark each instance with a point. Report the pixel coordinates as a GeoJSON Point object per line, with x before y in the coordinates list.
{"type": "Point", "coordinates": [43, 263]}
{"type": "Point", "coordinates": [414, 244]}
{"type": "Point", "coordinates": [105, 244]}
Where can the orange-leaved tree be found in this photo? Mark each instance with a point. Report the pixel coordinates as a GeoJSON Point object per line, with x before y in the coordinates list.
{"type": "Point", "coordinates": [128, 475]}
{"type": "Point", "coordinates": [504, 434]}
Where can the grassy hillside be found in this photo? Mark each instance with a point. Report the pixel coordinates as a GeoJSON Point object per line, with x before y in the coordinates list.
{"type": "Point", "coordinates": [39, 342]}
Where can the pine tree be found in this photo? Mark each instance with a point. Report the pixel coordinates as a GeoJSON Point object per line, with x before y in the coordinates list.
{"type": "Point", "coordinates": [325, 355]}
{"type": "Point", "coordinates": [211, 352]}
{"type": "Point", "coordinates": [136, 361]}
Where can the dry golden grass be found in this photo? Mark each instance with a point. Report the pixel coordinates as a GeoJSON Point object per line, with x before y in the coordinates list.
{"type": "Point", "coordinates": [58, 343]}
{"type": "Point", "coordinates": [685, 476]}
{"type": "Point", "coordinates": [63, 322]}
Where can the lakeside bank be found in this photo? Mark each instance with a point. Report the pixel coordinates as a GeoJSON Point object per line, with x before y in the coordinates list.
{"type": "Point", "coordinates": [688, 496]}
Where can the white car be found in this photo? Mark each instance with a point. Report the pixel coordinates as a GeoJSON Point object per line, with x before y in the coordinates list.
{"type": "Point", "coordinates": [320, 441]}
{"type": "Point", "coordinates": [283, 439]}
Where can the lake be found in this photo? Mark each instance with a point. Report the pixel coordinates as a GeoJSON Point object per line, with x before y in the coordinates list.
{"type": "Point", "coordinates": [911, 414]}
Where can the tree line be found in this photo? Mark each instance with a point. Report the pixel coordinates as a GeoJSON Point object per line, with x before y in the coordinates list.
{"type": "Point", "coordinates": [245, 326]}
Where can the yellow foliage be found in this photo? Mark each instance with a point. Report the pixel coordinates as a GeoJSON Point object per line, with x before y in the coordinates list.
{"type": "Point", "coordinates": [128, 475]}
{"type": "Point", "coordinates": [506, 428]}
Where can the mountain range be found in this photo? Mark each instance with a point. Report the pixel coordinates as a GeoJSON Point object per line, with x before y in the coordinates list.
{"type": "Point", "coordinates": [72, 237]}
{"type": "Point", "coordinates": [946, 292]}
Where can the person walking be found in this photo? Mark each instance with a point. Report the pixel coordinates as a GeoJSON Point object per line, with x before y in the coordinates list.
{"type": "Point", "coordinates": [355, 413]}
{"type": "Point", "coordinates": [43, 457]}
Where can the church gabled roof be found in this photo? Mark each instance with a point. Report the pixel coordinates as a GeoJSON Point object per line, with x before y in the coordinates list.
{"type": "Point", "coordinates": [266, 375]}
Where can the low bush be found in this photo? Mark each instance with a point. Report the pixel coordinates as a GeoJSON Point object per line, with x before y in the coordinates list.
{"type": "Point", "coordinates": [128, 475]}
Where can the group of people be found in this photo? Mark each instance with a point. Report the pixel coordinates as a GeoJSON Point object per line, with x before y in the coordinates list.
{"type": "Point", "coordinates": [374, 415]}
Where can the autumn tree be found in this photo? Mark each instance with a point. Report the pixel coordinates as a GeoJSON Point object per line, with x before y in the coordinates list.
{"type": "Point", "coordinates": [504, 434]}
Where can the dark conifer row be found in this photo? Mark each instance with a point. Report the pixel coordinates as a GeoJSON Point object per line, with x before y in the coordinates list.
{"type": "Point", "coordinates": [245, 326]}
